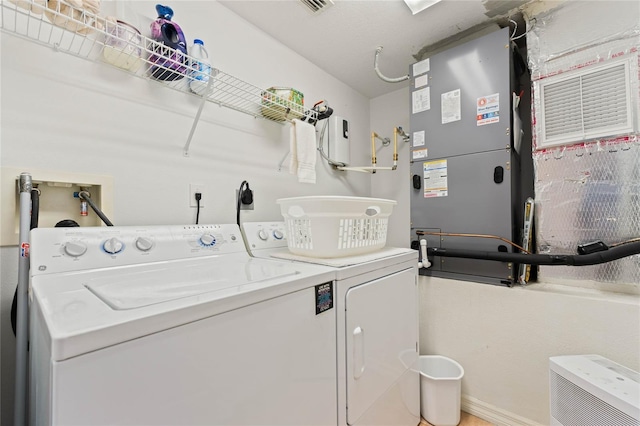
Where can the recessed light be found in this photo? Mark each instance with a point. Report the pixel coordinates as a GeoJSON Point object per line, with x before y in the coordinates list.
{"type": "Point", "coordinates": [420, 5]}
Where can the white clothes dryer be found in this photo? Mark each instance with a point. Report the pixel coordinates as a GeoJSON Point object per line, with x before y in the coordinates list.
{"type": "Point", "coordinates": [176, 325]}
{"type": "Point", "coordinates": [376, 308]}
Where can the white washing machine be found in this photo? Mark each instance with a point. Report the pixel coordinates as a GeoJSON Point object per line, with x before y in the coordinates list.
{"type": "Point", "coordinates": [176, 325]}
{"type": "Point", "coordinates": [376, 308]}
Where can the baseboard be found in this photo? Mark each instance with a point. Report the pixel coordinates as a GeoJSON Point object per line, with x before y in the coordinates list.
{"type": "Point", "coordinates": [493, 414]}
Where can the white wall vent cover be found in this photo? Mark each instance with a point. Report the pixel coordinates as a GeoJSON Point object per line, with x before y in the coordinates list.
{"type": "Point", "coordinates": [590, 390]}
{"type": "Point", "coordinates": [589, 103]}
{"type": "Point", "coordinates": [317, 6]}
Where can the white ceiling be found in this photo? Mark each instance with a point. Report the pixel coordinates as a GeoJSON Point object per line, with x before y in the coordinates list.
{"type": "Point", "coordinates": [342, 39]}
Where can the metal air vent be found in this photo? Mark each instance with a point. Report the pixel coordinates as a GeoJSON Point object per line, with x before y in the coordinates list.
{"type": "Point", "coordinates": [590, 390]}
{"type": "Point", "coordinates": [593, 102]}
{"type": "Point", "coordinates": [317, 6]}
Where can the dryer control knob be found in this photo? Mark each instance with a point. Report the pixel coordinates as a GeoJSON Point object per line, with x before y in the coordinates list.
{"type": "Point", "coordinates": [262, 234]}
{"type": "Point", "coordinates": [144, 244]}
{"type": "Point", "coordinates": [113, 246]}
{"type": "Point", "coordinates": [75, 248]}
{"type": "Point", "coordinates": [278, 235]}
{"type": "Point", "coordinates": [207, 240]}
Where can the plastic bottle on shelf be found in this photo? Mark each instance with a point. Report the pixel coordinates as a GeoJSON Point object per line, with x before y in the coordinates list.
{"type": "Point", "coordinates": [167, 64]}
{"type": "Point", "coordinates": [200, 68]}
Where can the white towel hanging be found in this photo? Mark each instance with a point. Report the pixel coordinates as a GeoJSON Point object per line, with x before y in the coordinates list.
{"type": "Point", "coordinates": [303, 151]}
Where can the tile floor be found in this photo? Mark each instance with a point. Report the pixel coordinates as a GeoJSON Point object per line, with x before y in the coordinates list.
{"type": "Point", "coordinates": [466, 419]}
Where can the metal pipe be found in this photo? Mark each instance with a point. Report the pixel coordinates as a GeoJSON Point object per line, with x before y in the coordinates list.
{"type": "Point", "coordinates": [374, 135]}
{"type": "Point", "coordinates": [373, 168]}
{"type": "Point", "coordinates": [496, 237]}
{"type": "Point", "coordinates": [395, 144]}
{"type": "Point", "coordinates": [22, 314]}
{"type": "Point", "coordinates": [395, 148]}
{"type": "Point", "coordinates": [405, 136]}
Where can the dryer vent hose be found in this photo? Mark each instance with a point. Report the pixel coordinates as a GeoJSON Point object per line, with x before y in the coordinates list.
{"type": "Point", "coordinates": [596, 258]}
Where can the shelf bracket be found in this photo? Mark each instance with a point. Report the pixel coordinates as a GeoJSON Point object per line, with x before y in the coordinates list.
{"type": "Point", "coordinates": [197, 117]}
{"type": "Point", "coordinates": [227, 91]}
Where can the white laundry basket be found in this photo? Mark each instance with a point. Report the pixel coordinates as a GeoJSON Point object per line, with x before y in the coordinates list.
{"type": "Point", "coordinates": [440, 390]}
{"type": "Point", "coordinates": [335, 226]}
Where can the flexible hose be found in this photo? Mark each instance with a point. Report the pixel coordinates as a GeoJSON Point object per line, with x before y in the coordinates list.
{"type": "Point", "coordinates": [382, 77]}
{"type": "Point", "coordinates": [84, 195]}
{"type": "Point", "coordinates": [35, 208]}
{"type": "Point", "coordinates": [596, 258]}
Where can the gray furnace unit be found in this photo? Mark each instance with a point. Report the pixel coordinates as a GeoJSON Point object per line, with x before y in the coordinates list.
{"type": "Point", "coordinates": [465, 170]}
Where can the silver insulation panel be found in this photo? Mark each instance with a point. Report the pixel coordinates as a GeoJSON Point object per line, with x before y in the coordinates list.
{"type": "Point", "coordinates": [587, 191]}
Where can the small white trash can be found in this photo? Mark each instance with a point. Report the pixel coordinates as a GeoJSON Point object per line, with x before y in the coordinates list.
{"type": "Point", "coordinates": [440, 390]}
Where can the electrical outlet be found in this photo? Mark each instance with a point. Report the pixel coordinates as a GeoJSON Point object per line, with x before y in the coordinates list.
{"type": "Point", "coordinates": [193, 188]}
{"type": "Point", "coordinates": [246, 206]}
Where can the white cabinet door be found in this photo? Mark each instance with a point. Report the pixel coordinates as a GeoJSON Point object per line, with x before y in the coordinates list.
{"type": "Point", "coordinates": [381, 337]}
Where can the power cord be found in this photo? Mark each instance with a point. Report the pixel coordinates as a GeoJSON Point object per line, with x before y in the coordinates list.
{"type": "Point", "coordinates": [198, 198]}
{"type": "Point", "coordinates": [245, 196]}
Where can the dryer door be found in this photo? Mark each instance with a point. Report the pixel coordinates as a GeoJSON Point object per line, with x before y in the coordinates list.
{"type": "Point", "coordinates": [381, 338]}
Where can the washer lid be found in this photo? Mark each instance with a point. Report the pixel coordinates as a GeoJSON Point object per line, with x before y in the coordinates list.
{"type": "Point", "coordinates": [81, 312]}
{"type": "Point", "coordinates": [157, 285]}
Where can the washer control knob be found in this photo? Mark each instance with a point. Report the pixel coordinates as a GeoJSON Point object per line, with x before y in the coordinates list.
{"type": "Point", "coordinates": [207, 240]}
{"type": "Point", "coordinates": [262, 234]}
{"type": "Point", "coordinates": [277, 234]}
{"type": "Point", "coordinates": [144, 244]}
{"type": "Point", "coordinates": [75, 248]}
{"type": "Point", "coordinates": [113, 246]}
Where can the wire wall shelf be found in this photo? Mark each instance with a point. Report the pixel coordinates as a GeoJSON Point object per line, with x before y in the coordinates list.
{"type": "Point", "coordinates": [82, 32]}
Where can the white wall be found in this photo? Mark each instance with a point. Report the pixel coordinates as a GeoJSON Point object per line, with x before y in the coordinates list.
{"type": "Point", "coordinates": [64, 113]}
{"type": "Point", "coordinates": [503, 337]}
